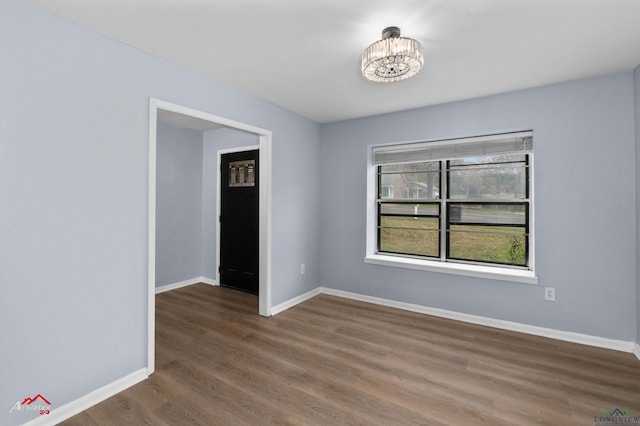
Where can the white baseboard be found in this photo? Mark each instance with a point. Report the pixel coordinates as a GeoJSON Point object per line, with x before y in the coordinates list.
{"type": "Point", "coordinates": [185, 283]}
{"type": "Point", "coordinates": [568, 336]}
{"type": "Point", "coordinates": [89, 400]}
{"type": "Point", "coordinates": [205, 280]}
{"type": "Point", "coordinates": [296, 300]}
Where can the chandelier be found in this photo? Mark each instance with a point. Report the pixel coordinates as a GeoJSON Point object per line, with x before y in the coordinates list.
{"type": "Point", "coordinates": [393, 58]}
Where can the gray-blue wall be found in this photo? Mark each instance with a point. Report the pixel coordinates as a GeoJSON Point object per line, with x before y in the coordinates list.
{"type": "Point", "coordinates": [179, 201]}
{"type": "Point", "coordinates": [73, 193]}
{"type": "Point", "coordinates": [585, 211]}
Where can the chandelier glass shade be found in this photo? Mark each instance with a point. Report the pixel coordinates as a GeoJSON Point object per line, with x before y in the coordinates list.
{"type": "Point", "coordinates": [393, 58]}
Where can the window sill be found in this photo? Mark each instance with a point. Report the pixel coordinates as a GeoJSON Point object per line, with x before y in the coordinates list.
{"type": "Point", "coordinates": [479, 271]}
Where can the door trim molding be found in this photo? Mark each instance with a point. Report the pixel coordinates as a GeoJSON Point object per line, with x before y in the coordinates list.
{"type": "Point", "coordinates": [265, 205]}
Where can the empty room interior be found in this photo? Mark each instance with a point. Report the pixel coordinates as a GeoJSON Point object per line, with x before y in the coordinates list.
{"type": "Point", "coordinates": [319, 212]}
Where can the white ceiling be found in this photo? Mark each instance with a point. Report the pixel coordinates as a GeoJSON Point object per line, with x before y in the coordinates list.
{"type": "Point", "coordinates": [304, 55]}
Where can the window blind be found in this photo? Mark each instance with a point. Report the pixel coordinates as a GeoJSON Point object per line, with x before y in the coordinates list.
{"type": "Point", "coordinates": [503, 144]}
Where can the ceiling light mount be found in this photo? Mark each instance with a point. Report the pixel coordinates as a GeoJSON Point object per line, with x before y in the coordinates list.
{"type": "Point", "coordinates": [393, 58]}
{"type": "Point", "coordinates": [390, 32]}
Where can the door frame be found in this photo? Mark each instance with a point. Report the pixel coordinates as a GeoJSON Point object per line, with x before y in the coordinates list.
{"type": "Point", "coordinates": [264, 195]}
{"type": "Point", "coordinates": [220, 153]}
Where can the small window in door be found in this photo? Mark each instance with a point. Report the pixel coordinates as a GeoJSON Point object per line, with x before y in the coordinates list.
{"type": "Point", "coordinates": [242, 173]}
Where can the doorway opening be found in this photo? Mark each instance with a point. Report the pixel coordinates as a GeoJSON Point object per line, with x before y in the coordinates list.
{"type": "Point", "coordinates": [195, 119]}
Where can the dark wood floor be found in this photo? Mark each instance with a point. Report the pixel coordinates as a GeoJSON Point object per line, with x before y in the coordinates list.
{"type": "Point", "coordinates": [330, 361]}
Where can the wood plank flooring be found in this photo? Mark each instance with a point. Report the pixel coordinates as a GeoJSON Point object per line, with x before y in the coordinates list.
{"type": "Point", "coordinates": [331, 361]}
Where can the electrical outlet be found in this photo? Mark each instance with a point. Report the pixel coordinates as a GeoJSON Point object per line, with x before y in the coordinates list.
{"type": "Point", "coordinates": [550, 294]}
{"type": "Point", "coordinates": [302, 269]}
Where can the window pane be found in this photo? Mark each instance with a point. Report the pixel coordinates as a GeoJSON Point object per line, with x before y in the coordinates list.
{"type": "Point", "coordinates": [488, 244]}
{"type": "Point", "coordinates": [410, 209]}
{"type": "Point", "coordinates": [488, 181]}
{"type": "Point", "coordinates": [409, 241]}
{"type": "Point", "coordinates": [498, 214]}
{"type": "Point", "coordinates": [409, 181]}
{"type": "Point", "coordinates": [408, 235]}
{"type": "Point", "coordinates": [409, 222]}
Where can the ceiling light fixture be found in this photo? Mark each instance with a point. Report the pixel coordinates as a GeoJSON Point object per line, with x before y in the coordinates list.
{"type": "Point", "coordinates": [393, 58]}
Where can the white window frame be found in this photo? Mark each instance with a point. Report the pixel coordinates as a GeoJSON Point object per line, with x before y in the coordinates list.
{"type": "Point", "coordinates": [505, 273]}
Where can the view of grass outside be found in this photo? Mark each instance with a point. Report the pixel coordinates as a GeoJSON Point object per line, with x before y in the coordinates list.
{"type": "Point", "coordinates": [420, 236]}
{"type": "Point", "coordinates": [488, 244]}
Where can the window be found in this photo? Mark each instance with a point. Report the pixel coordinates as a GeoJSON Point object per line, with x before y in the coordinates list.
{"type": "Point", "coordinates": [461, 202]}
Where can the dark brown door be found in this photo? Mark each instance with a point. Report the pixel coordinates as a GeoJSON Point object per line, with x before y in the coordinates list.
{"type": "Point", "coordinates": [239, 220]}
